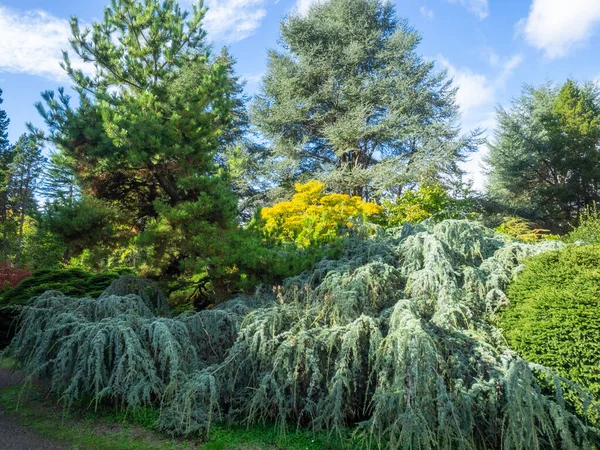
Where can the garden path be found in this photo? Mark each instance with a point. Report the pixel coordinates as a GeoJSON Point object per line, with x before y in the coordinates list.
{"type": "Point", "coordinates": [13, 435]}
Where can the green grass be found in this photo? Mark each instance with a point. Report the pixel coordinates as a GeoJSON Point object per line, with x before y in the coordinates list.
{"type": "Point", "coordinates": [29, 406]}
{"type": "Point", "coordinates": [229, 437]}
{"type": "Point", "coordinates": [84, 428]}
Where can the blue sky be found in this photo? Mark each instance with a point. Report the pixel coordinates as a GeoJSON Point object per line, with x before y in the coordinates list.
{"type": "Point", "coordinates": [490, 47]}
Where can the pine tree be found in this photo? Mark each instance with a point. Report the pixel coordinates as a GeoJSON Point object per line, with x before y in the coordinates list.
{"type": "Point", "coordinates": [148, 127]}
{"type": "Point", "coordinates": [349, 99]}
{"type": "Point", "coordinates": [59, 183]}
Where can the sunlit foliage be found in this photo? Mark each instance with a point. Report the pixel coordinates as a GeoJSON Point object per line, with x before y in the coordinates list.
{"type": "Point", "coordinates": [553, 315]}
{"type": "Point", "coordinates": [544, 159]}
{"type": "Point", "coordinates": [313, 217]}
{"type": "Point", "coordinates": [523, 230]}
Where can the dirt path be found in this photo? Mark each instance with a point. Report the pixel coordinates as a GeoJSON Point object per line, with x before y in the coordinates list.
{"type": "Point", "coordinates": [13, 435]}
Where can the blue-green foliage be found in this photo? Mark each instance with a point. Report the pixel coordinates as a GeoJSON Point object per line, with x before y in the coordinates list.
{"type": "Point", "coordinates": [393, 340]}
{"type": "Point", "coordinates": [116, 347]}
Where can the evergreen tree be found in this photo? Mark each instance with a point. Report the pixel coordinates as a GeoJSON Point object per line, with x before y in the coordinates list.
{"type": "Point", "coordinates": [59, 183]}
{"type": "Point", "coordinates": [545, 161]}
{"type": "Point", "coordinates": [148, 127]}
{"type": "Point", "coordinates": [26, 167]}
{"type": "Point", "coordinates": [348, 98]}
{"type": "Point", "coordinates": [4, 122]}
{"type": "Point", "coordinates": [5, 161]}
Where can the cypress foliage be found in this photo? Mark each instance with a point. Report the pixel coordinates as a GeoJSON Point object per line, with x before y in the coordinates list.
{"type": "Point", "coordinates": [393, 339]}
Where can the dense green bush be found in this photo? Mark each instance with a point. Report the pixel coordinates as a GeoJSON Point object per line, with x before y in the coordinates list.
{"type": "Point", "coordinates": [71, 282]}
{"type": "Point", "coordinates": [393, 339]}
{"type": "Point", "coordinates": [554, 313]}
{"type": "Point", "coordinates": [588, 229]}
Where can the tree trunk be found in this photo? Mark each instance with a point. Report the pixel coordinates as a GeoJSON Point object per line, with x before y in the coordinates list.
{"type": "Point", "coordinates": [167, 186]}
{"type": "Point", "coordinates": [20, 240]}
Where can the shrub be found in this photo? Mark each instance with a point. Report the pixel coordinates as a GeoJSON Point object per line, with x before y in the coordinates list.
{"type": "Point", "coordinates": [393, 339]}
{"type": "Point", "coordinates": [554, 313]}
{"type": "Point", "coordinates": [10, 275]}
{"type": "Point", "coordinates": [71, 282]}
{"type": "Point", "coordinates": [414, 206]}
{"type": "Point", "coordinates": [523, 230]}
{"type": "Point", "coordinates": [430, 201]}
{"type": "Point", "coordinates": [117, 347]}
{"type": "Point", "coordinates": [313, 217]}
{"type": "Point", "coordinates": [588, 230]}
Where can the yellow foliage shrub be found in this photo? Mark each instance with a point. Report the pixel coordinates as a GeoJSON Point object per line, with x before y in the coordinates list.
{"type": "Point", "coordinates": [313, 217]}
{"type": "Point", "coordinates": [523, 230]}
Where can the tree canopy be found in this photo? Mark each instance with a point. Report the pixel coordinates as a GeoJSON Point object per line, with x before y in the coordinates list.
{"type": "Point", "coordinates": [150, 120]}
{"type": "Point", "coordinates": [315, 260]}
{"type": "Point", "coordinates": [545, 160]}
{"type": "Point", "coordinates": [349, 99]}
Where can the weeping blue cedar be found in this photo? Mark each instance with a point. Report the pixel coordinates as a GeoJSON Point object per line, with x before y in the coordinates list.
{"type": "Point", "coordinates": [393, 339]}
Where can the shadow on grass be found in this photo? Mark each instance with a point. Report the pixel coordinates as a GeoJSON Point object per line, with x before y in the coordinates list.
{"type": "Point", "coordinates": [84, 428]}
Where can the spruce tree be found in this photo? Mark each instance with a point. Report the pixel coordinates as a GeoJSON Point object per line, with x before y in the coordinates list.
{"type": "Point", "coordinates": [26, 169]}
{"type": "Point", "coordinates": [4, 123]}
{"type": "Point", "coordinates": [349, 98]}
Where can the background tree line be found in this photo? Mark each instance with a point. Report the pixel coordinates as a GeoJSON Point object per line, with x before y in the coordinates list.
{"type": "Point", "coordinates": [160, 165]}
{"type": "Point", "coordinates": [323, 201]}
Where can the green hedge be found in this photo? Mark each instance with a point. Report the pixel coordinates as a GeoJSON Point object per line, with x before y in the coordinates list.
{"type": "Point", "coordinates": [554, 313]}
{"type": "Point", "coordinates": [71, 282]}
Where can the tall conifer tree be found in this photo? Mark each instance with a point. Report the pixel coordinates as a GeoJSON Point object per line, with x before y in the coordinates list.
{"type": "Point", "coordinates": [545, 160]}
{"type": "Point", "coordinates": [26, 169]}
{"type": "Point", "coordinates": [5, 161]}
{"type": "Point", "coordinates": [151, 118]}
{"type": "Point", "coordinates": [348, 99]}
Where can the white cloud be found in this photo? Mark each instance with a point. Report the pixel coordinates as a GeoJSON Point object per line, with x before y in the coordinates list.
{"type": "Point", "coordinates": [508, 67]}
{"type": "Point", "coordinates": [426, 12]}
{"type": "Point", "coordinates": [233, 20]}
{"type": "Point", "coordinates": [253, 79]}
{"type": "Point", "coordinates": [489, 54]}
{"type": "Point", "coordinates": [31, 42]}
{"type": "Point", "coordinates": [303, 6]}
{"type": "Point", "coordinates": [478, 7]}
{"type": "Point", "coordinates": [557, 26]}
{"type": "Point", "coordinates": [474, 90]}
{"type": "Point", "coordinates": [476, 97]}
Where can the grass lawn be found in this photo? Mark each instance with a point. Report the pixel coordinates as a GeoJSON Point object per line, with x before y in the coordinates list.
{"type": "Point", "coordinates": [84, 428]}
